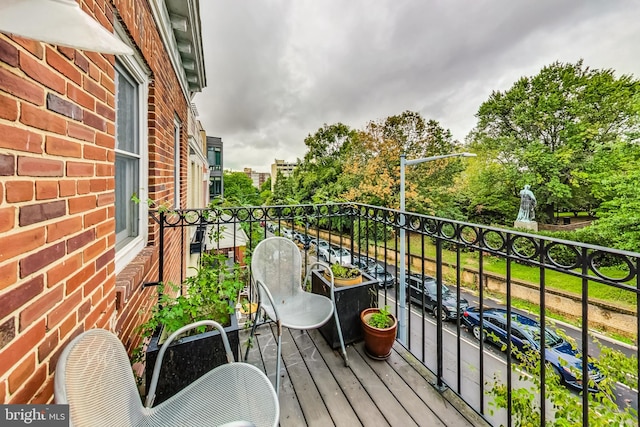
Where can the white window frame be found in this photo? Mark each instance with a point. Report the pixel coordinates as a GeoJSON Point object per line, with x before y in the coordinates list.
{"type": "Point", "coordinates": [137, 69]}
{"type": "Point", "coordinates": [176, 159]}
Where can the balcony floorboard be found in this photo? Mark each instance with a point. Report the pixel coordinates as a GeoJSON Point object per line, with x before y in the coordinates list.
{"type": "Point", "coordinates": [318, 390]}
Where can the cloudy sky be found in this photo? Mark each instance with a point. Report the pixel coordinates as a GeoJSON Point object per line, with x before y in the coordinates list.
{"type": "Point", "coordinates": [277, 70]}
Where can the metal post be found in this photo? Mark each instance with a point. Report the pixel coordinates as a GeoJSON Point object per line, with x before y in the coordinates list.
{"type": "Point", "coordinates": [402, 283]}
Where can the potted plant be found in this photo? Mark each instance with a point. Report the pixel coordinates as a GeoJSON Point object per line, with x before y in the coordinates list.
{"type": "Point", "coordinates": [211, 293]}
{"type": "Point", "coordinates": [379, 327]}
{"type": "Point", "coordinates": [344, 275]}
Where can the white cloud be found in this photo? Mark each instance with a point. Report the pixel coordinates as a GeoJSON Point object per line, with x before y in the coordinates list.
{"type": "Point", "coordinates": [277, 70]}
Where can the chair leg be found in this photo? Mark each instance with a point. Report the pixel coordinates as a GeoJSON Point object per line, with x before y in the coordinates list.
{"type": "Point", "coordinates": [279, 356]}
{"type": "Point", "coordinates": [253, 331]}
{"type": "Point", "coordinates": [344, 350]}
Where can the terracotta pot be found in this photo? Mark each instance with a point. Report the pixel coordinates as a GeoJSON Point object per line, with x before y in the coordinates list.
{"type": "Point", "coordinates": [377, 342]}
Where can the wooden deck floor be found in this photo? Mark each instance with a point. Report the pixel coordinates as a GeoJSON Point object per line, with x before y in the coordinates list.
{"type": "Point", "coordinates": [318, 390]}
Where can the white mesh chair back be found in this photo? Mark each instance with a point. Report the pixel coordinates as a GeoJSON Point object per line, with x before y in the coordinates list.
{"type": "Point", "coordinates": [94, 376]}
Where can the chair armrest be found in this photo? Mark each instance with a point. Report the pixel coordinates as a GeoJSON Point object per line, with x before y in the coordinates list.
{"type": "Point", "coordinates": [326, 267]}
{"type": "Point", "coordinates": [151, 395]}
{"type": "Point", "coordinates": [263, 287]}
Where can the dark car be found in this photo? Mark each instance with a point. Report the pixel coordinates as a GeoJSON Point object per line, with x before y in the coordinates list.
{"type": "Point", "coordinates": [302, 238]}
{"type": "Point", "coordinates": [525, 336]}
{"type": "Point", "coordinates": [423, 290]}
{"type": "Point", "coordinates": [375, 269]}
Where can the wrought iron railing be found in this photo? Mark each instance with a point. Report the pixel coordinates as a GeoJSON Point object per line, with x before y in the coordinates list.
{"type": "Point", "coordinates": [464, 256]}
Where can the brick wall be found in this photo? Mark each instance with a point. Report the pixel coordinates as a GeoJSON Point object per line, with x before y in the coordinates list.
{"type": "Point", "coordinates": [57, 227]}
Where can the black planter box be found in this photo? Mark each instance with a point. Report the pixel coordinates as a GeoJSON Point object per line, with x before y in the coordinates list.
{"type": "Point", "coordinates": [350, 301]}
{"type": "Point", "coordinates": [187, 359]}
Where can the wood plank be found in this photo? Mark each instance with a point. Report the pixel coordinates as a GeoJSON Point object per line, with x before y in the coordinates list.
{"type": "Point", "coordinates": [334, 399]}
{"type": "Point", "coordinates": [449, 407]}
{"type": "Point", "coordinates": [313, 407]}
{"type": "Point", "coordinates": [366, 410]}
{"type": "Point", "coordinates": [392, 410]}
{"type": "Point", "coordinates": [415, 407]}
{"type": "Point", "coordinates": [290, 410]}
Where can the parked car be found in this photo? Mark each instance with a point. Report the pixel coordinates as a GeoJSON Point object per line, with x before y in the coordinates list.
{"type": "Point", "coordinates": [318, 245]}
{"type": "Point", "coordinates": [525, 335]}
{"type": "Point", "coordinates": [302, 238]}
{"type": "Point", "coordinates": [285, 232]}
{"type": "Point", "coordinates": [375, 269]}
{"type": "Point", "coordinates": [424, 289]}
{"type": "Point", "coordinates": [334, 255]}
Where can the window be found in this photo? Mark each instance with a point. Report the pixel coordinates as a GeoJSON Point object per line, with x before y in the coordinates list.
{"type": "Point", "coordinates": [131, 160]}
{"type": "Point", "coordinates": [176, 160]}
{"type": "Point", "coordinates": [216, 186]}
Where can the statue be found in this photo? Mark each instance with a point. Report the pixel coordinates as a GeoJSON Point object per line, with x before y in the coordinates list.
{"type": "Point", "coordinates": [527, 205]}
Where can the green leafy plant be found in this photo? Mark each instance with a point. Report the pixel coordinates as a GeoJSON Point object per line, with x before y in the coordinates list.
{"type": "Point", "coordinates": [345, 272]}
{"type": "Point", "coordinates": [382, 319]}
{"type": "Point", "coordinates": [208, 294]}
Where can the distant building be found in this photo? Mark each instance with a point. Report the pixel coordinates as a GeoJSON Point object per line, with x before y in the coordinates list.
{"type": "Point", "coordinates": [286, 169]}
{"type": "Point", "coordinates": [215, 158]}
{"type": "Point", "coordinates": [258, 178]}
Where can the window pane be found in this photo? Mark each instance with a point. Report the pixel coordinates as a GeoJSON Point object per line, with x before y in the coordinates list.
{"type": "Point", "coordinates": [126, 210]}
{"type": "Point", "coordinates": [126, 112]}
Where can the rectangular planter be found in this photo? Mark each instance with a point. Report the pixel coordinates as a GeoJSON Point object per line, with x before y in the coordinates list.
{"type": "Point", "coordinates": [188, 358]}
{"type": "Point", "coordinates": [350, 301]}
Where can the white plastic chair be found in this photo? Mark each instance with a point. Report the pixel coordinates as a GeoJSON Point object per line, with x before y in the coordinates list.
{"type": "Point", "coordinates": [94, 377]}
{"type": "Point", "coordinates": [276, 268]}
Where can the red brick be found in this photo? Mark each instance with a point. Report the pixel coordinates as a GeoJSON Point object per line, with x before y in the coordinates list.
{"type": "Point", "coordinates": [44, 396]}
{"type": "Point", "coordinates": [33, 166]}
{"type": "Point", "coordinates": [82, 62]}
{"type": "Point", "coordinates": [94, 121]}
{"type": "Point", "coordinates": [12, 300]}
{"type": "Point", "coordinates": [105, 140]}
{"type": "Point", "coordinates": [104, 170]}
{"type": "Point", "coordinates": [84, 186]}
{"type": "Point", "coordinates": [98, 185]}
{"type": "Point", "coordinates": [94, 88]}
{"type": "Point", "coordinates": [21, 87]}
{"type": "Point", "coordinates": [108, 83]}
{"type": "Point", "coordinates": [91, 152]}
{"type": "Point", "coordinates": [106, 199]}
{"type": "Point", "coordinates": [111, 128]}
{"type": "Point", "coordinates": [63, 228]}
{"type": "Point", "coordinates": [41, 73]}
{"type": "Point", "coordinates": [105, 111]}
{"type": "Point", "coordinates": [47, 346]}
{"type": "Point", "coordinates": [19, 191]}
{"type": "Point", "coordinates": [95, 217]}
{"type": "Point", "coordinates": [82, 204]}
{"type": "Point", "coordinates": [14, 138]}
{"type": "Point", "coordinates": [64, 107]}
{"type": "Point", "coordinates": [69, 323]}
{"type": "Point", "coordinates": [7, 333]}
{"type": "Point", "coordinates": [8, 275]}
{"type": "Point", "coordinates": [8, 55]}
{"type": "Point", "coordinates": [63, 66]}
{"type": "Point", "coordinates": [8, 108]}
{"type": "Point", "coordinates": [62, 147]}
{"type": "Point", "coordinates": [42, 119]}
{"type": "Point", "coordinates": [65, 269]}
{"type": "Point", "coordinates": [7, 218]}
{"type": "Point", "coordinates": [7, 165]}
{"type": "Point", "coordinates": [39, 307]}
{"type": "Point", "coordinates": [29, 240]}
{"type": "Point", "coordinates": [105, 229]}
{"type": "Point", "coordinates": [79, 169]}
{"type": "Point", "coordinates": [46, 190]}
{"type": "Point", "coordinates": [76, 242]}
{"type": "Point", "coordinates": [78, 131]}
{"type": "Point", "coordinates": [41, 259]}
{"type": "Point", "coordinates": [67, 188]}
{"type": "Point", "coordinates": [32, 214]}
{"type": "Point", "coordinates": [3, 384]}
{"type": "Point", "coordinates": [31, 387]}
{"type": "Point", "coordinates": [22, 372]}
{"type": "Point", "coordinates": [94, 316]}
{"type": "Point", "coordinates": [81, 97]}
{"type": "Point", "coordinates": [94, 71]}
{"type": "Point", "coordinates": [69, 52]}
{"type": "Point", "coordinates": [94, 250]}
{"type": "Point", "coordinates": [33, 46]}
{"type": "Point", "coordinates": [111, 100]}
{"type": "Point", "coordinates": [85, 308]}
{"type": "Point", "coordinates": [81, 277]}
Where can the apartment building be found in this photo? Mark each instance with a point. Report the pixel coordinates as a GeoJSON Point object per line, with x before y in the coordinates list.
{"type": "Point", "coordinates": [258, 178]}
{"type": "Point", "coordinates": [83, 135]}
{"type": "Point", "coordinates": [216, 166]}
{"type": "Point", "coordinates": [285, 168]}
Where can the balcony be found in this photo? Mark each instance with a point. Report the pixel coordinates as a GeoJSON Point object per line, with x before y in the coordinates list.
{"type": "Point", "coordinates": [440, 374]}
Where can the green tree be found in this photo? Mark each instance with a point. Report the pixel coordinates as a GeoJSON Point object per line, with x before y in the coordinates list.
{"type": "Point", "coordinates": [239, 189]}
{"type": "Point", "coordinates": [544, 130]}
